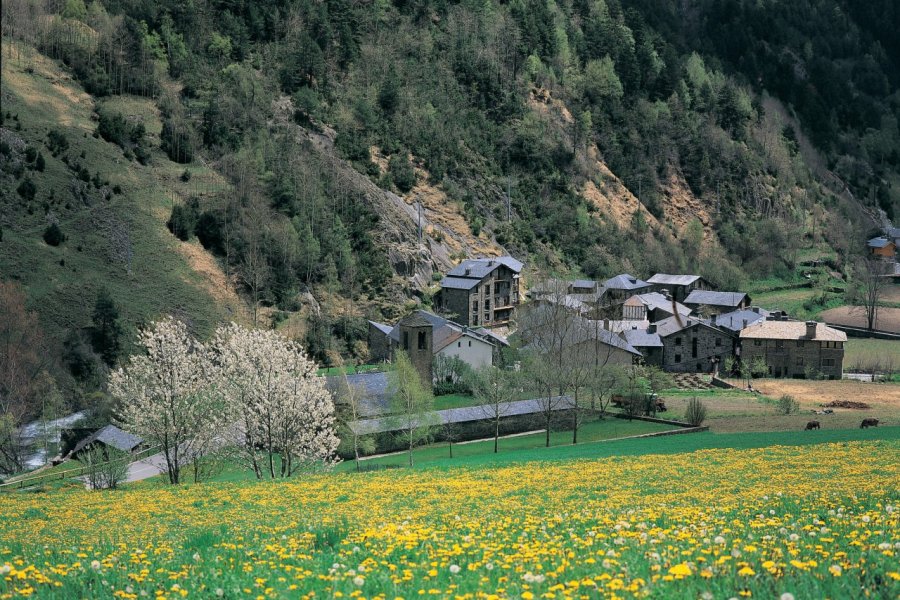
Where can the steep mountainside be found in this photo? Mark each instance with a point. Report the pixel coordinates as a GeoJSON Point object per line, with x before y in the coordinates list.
{"type": "Point", "coordinates": [262, 160]}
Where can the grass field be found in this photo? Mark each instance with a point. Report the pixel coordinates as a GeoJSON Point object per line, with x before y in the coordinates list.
{"type": "Point", "coordinates": [817, 520]}
{"type": "Point", "coordinates": [865, 354]}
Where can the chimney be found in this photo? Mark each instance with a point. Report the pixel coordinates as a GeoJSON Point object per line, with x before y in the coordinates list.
{"type": "Point", "coordinates": [606, 324]}
{"type": "Point", "coordinates": [468, 271]}
{"type": "Point", "coordinates": [811, 330]}
{"type": "Point", "coordinates": [745, 324]}
{"type": "Point", "coordinates": [667, 293]}
{"type": "Point", "coordinates": [712, 319]}
{"type": "Point", "coordinates": [633, 280]}
{"type": "Point", "coordinates": [651, 328]}
{"type": "Point", "coordinates": [490, 263]}
{"type": "Point", "coordinates": [755, 309]}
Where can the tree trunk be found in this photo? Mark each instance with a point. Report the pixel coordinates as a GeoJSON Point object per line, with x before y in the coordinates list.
{"type": "Point", "coordinates": [497, 434]}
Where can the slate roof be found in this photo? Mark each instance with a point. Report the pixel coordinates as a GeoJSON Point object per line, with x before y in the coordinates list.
{"type": "Point", "coordinates": [111, 436]}
{"type": "Point", "coordinates": [667, 327]}
{"type": "Point", "coordinates": [625, 282]}
{"type": "Point", "coordinates": [665, 279]}
{"type": "Point", "coordinates": [375, 386]}
{"type": "Point", "coordinates": [482, 267]}
{"type": "Point", "coordinates": [791, 330]}
{"type": "Point", "coordinates": [463, 415]}
{"type": "Point", "coordinates": [878, 242]}
{"type": "Point", "coordinates": [416, 318]}
{"type": "Point", "coordinates": [892, 232]}
{"type": "Point", "coordinates": [735, 321]}
{"type": "Point", "coordinates": [656, 301]}
{"type": "Point", "coordinates": [443, 330]}
{"type": "Point", "coordinates": [583, 284]}
{"type": "Point", "coordinates": [385, 329]}
{"type": "Point", "coordinates": [699, 297]}
{"type": "Point", "coordinates": [641, 338]}
{"type": "Point", "coordinates": [459, 283]}
{"type": "Point", "coordinates": [584, 330]}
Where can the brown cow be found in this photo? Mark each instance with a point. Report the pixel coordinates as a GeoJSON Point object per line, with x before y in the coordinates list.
{"type": "Point", "coordinates": [868, 423]}
{"type": "Point", "coordinates": [813, 425]}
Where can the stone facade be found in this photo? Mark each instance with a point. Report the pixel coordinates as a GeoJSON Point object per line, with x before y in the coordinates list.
{"type": "Point", "coordinates": [696, 348]}
{"type": "Point", "coordinates": [483, 295]}
{"type": "Point", "coordinates": [795, 349]}
{"type": "Point", "coordinates": [417, 340]}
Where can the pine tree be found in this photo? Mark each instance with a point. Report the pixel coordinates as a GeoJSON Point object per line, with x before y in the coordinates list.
{"type": "Point", "coordinates": [106, 328]}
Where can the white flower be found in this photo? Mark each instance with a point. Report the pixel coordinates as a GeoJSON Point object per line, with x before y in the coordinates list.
{"type": "Point", "coordinates": [358, 580]}
{"type": "Point", "coordinates": [196, 556]}
{"type": "Point", "coordinates": [5, 569]}
{"type": "Point", "coordinates": [95, 565]}
{"type": "Point", "coordinates": [866, 518]}
{"type": "Point", "coordinates": [888, 509]}
{"type": "Point", "coordinates": [719, 540]}
{"type": "Point", "coordinates": [489, 566]}
{"type": "Point", "coordinates": [884, 546]}
{"type": "Point", "coordinates": [707, 596]}
{"type": "Point", "coordinates": [787, 596]}
{"type": "Point", "coordinates": [220, 592]}
{"type": "Point", "coordinates": [793, 537]}
{"type": "Point", "coordinates": [454, 569]}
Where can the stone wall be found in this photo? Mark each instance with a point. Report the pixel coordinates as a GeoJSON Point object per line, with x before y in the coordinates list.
{"type": "Point", "coordinates": [712, 348]}
{"type": "Point", "coordinates": [792, 358]}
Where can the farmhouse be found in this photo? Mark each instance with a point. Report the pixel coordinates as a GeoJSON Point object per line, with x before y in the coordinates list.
{"type": "Point", "coordinates": [653, 307]}
{"type": "Point", "coordinates": [621, 287]}
{"type": "Point", "coordinates": [109, 437]}
{"type": "Point", "coordinates": [795, 348]}
{"type": "Point", "coordinates": [424, 336]}
{"type": "Point", "coordinates": [882, 247]}
{"type": "Point", "coordinates": [679, 286]}
{"type": "Point", "coordinates": [482, 291]}
{"type": "Point", "coordinates": [705, 302]}
{"type": "Point", "coordinates": [646, 341]}
{"type": "Point", "coordinates": [693, 345]}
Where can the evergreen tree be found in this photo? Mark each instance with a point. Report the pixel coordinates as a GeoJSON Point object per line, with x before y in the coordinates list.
{"type": "Point", "coordinates": [107, 331]}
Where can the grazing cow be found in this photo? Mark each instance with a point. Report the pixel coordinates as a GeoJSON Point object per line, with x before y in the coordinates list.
{"type": "Point", "coordinates": [868, 423]}
{"type": "Point", "coordinates": [813, 425]}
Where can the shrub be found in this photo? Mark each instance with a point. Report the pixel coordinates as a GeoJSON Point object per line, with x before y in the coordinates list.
{"type": "Point", "coordinates": [695, 413]}
{"type": "Point", "coordinates": [786, 405]}
{"type": "Point", "coordinates": [106, 467]}
{"type": "Point", "coordinates": [27, 189]}
{"type": "Point", "coordinates": [177, 141]}
{"type": "Point", "coordinates": [184, 219]}
{"type": "Point", "coordinates": [402, 172]}
{"type": "Point", "coordinates": [53, 235]}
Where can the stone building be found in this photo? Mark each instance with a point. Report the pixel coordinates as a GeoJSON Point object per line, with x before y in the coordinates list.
{"type": "Point", "coordinates": [481, 292]}
{"type": "Point", "coordinates": [646, 341]}
{"type": "Point", "coordinates": [621, 287]}
{"type": "Point", "coordinates": [693, 346]}
{"type": "Point", "coordinates": [417, 340]}
{"type": "Point", "coordinates": [652, 307]}
{"type": "Point", "coordinates": [678, 286]}
{"type": "Point", "coordinates": [795, 348]}
{"type": "Point", "coordinates": [707, 302]}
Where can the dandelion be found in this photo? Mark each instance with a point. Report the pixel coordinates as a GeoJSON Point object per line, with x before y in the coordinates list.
{"type": "Point", "coordinates": [454, 569]}
{"type": "Point", "coordinates": [196, 556]}
{"type": "Point", "coordinates": [220, 592]}
{"type": "Point", "coordinates": [95, 565]}
{"type": "Point", "coordinates": [787, 596]}
{"type": "Point", "coordinates": [719, 540]}
{"type": "Point", "coordinates": [359, 580]}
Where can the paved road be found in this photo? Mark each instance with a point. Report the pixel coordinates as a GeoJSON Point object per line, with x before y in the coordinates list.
{"type": "Point", "coordinates": [146, 468]}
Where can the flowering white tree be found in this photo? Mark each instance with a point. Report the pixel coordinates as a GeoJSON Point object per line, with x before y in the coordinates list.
{"type": "Point", "coordinates": [166, 394]}
{"type": "Point", "coordinates": [277, 403]}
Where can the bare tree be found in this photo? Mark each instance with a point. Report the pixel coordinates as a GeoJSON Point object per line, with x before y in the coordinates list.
{"type": "Point", "coordinates": [411, 404]}
{"type": "Point", "coordinates": [870, 281]}
{"type": "Point", "coordinates": [495, 389]}
{"type": "Point", "coordinates": [349, 403]}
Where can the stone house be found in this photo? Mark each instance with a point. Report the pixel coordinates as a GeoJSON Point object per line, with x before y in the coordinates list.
{"type": "Point", "coordinates": [481, 292]}
{"type": "Point", "coordinates": [694, 346]}
{"type": "Point", "coordinates": [707, 302]}
{"type": "Point", "coordinates": [621, 287]}
{"type": "Point", "coordinates": [425, 336]}
{"type": "Point", "coordinates": [646, 341]}
{"type": "Point", "coordinates": [795, 348]}
{"type": "Point", "coordinates": [652, 307]}
{"type": "Point", "coordinates": [739, 319]}
{"type": "Point", "coordinates": [109, 437]}
{"type": "Point", "coordinates": [678, 286]}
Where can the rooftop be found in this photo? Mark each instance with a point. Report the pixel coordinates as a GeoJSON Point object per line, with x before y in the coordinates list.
{"type": "Point", "coordinates": [625, 282]}
{"type": "Point", "coordinates": [791, 330]}
{"type": "Point", "coordinates": [479, 268]}
{"type": "Point", "coordinates": [715, 298]}
{"type": "Point", "coordinates": [737, 320]}
{"type": "Point", "coordinates": [657, 301]}
{"type": "Point", "coordinates": [111, 436]}
{"type": "Point", "coordinates": [665, 279]}
{"type": "Point", "coordinates": [459, 283]}
{"type": "Point", "coordinates": [642, 338]}
{"type": "Point", "coordinates": [878, 242]}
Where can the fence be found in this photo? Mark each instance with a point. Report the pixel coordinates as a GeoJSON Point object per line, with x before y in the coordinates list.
{"type": "Point", "coordinates": [31, 480]}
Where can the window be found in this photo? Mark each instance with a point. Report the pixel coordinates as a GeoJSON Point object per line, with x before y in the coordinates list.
{"type": "Point", "coordinates": [678, 341]}
{"type": "Point", "coordinates": [839, 344]}
{"type": "Point", "coordinates": [779, 343]}
{"type": "Point", "coordinates": [694, 349]}
{"type": "Point", "coordinates": [799, 361]}
{"type": "Point", "coordinates": [678, 358]}
{"type": "Point", "coordinates": [757, 342]}
{"type": "Point", "coordinates": [459, 344]}
{"type": "Point", "coordinates": [799, 343]}
{"type": "Point", "coordinates": [718, 342]}
{"type": "Point", "coordinates": [470, 343]}
{"type": "Point", "coordinates": [827, 362]}
{"type": "Point", "coordinates": [406, 340]}
{"type": "Point", "coordinates": [487, 304]}
{"type": "Point", "coordinates": [475, 306]}
{"type": "Point", "coordinates": [423, 341]}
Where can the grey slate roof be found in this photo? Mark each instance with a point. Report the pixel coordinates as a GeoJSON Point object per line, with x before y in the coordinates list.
{"type": "Point", "coordinates": [584, 284]}
{"type": "Point", "coordinates": [376, 388]}
{"type": "Point", "coordinates": [892, 232]}
{"type": "Point", "coordinates": [735, 321]}
{"type": "Point", "coordinates": [641, 338]}
{"type": "Point", "coordinates": [656, 301]}
{"type": "Point", "coordinates": [667, 327]}
{"type": "Point", "coordinates": [583, 330]}
{"type": "Point", "coordinates": [665, 279]}
{"type": "Point", "coordinates": [385, 329]}
{"type": "Point", "coordinates": [462, 415]}
{"type": "Point", "coordinates": [625, 282]}
{"type": "Point", "coordinates": [459, 283]}
{"type": "Point", "coordinates": [878, 242]}
{"type": "Point", "coordinates": [417, 318]}
{"type": "Point", "coordinates": [715, 298]}
{"type": "Point", "coordinates": [481, 267]}
{"type": "Point", "coordinates": [111, 436]}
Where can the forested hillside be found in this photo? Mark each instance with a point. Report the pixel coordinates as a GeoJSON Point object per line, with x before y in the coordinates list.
{"type": "Point", "coordinates": [292, 140]}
